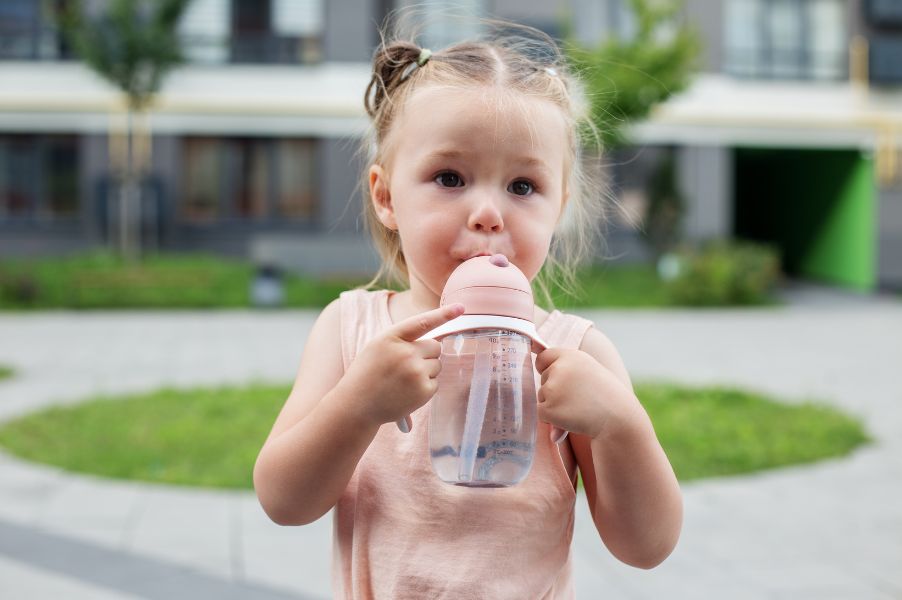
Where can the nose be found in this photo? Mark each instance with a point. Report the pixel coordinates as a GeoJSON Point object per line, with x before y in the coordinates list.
{"type": "Point", "coordinates": [486, 217]}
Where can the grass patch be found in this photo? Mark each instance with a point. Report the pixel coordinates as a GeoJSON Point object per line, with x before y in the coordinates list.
{"type": "Point", "coordinates": [203, 437]}
{"type": "Point", "coordinates": [720, 431]}
{"type": "Point", "coordinates": [5, 372]}
{"type": "Point", "coordinates": [210, 437]}
{"type": "Point", "coordinates": [620, 286]}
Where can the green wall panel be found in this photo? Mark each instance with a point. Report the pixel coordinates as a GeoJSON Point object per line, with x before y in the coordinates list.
{"type": "Point", "coordinates": [817, 206]}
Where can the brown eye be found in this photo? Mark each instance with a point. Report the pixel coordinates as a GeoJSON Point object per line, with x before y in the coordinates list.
{"type": "Point", "coordinates": [521, 187]}
{"type": "Point", "coordinates": [449, 179]}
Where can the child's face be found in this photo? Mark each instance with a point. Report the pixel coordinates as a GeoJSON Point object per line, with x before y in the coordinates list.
{"type": "Point", "coordinates": [472, 172]}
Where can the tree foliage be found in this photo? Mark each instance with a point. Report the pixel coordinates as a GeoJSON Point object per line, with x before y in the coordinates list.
{"type": "Point", "coordinates": [130, 43]}
{"type": "Point", "coordinates": [625, 78]}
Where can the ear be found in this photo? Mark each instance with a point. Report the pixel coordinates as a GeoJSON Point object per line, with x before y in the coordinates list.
{"type": "Point", "coordinates": [380, 196]}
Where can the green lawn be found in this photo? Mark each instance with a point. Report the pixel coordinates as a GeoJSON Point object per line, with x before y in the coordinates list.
{"type": "Point", "coordinates": [210, 437]}
{"type": "Point", "coordinates": [621, 286]}
{"type": "Point", "coordinates": [721, 431]}
{"type": "Point", "coordinates": [5, 372]}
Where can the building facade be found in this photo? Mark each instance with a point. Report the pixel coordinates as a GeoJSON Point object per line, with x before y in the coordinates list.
{"type": "Point", "coordinates": [789, 133]}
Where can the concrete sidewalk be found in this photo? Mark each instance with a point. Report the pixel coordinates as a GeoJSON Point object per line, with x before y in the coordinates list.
{"type": "Point", "coordinates": [830, 530]}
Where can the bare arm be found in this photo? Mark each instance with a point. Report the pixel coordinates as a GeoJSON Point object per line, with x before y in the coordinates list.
{"type": "Point", "coordinates": [313, 447]}
{"type": "Point", "coordinates": [330, 417]}
{"type": "Point", "coordinates": [632, 491]}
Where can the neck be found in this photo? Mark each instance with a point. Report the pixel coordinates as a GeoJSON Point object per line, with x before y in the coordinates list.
{"type": "Point", "coordinates": [421, 298]}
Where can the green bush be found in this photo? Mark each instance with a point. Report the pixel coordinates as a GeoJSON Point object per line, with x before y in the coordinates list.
{"type": "Point", "coordinates": [102, 280]}
{"type": "Point", "coordinates": [725, 274]}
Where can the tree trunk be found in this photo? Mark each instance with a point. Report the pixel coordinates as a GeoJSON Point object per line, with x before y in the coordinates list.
{"type": "Point", "coordinates": [130, 198]}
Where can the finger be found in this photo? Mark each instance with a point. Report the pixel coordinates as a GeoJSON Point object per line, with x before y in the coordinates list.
{"type": "Point", "coordinates": [434, 367]}
{"type": "Point", "coordinates": [429, 348]}
{"type": "Point", "coordinates": [418, 325]}
{"type": "Point", "coordinates": [545, 375]}
{"type": "Point", "coordinates": [546, 357]}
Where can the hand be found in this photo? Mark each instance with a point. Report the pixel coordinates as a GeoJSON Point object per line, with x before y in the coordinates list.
{"type": "Point", "coordinates": [395, 374]}
{"type": "Point", "coordinates": [579, 394]}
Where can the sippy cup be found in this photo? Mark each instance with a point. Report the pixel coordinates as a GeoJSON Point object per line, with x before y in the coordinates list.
{"type": "Point", "coordinates": [482, 427]}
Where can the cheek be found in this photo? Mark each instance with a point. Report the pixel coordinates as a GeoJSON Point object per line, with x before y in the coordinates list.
{"type": "Point", "coordinates": [534, 241]}
{"type": "Point", "coordinates": [425, 235]}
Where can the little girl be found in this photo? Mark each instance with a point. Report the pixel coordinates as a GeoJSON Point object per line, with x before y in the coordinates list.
{"type": "Point", "coordinates": [475, 153]}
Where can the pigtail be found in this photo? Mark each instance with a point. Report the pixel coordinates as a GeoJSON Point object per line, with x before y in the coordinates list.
{"type": "Point", "coordinates": [389, 62]}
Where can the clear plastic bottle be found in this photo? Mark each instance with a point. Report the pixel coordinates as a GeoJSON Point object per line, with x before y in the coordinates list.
{"type": "Point", "coordinates": [482, 427]}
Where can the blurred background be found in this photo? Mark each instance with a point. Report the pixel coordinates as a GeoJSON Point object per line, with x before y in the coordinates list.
{"type": "Point", "coordinates": [204, 154]}
{"type": "Point", "coordinates": [230, 128]}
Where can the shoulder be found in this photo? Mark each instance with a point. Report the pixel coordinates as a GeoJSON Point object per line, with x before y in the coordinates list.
{"type": "Point", "coordinates": [359, 305]}
{"type": "Point", "coordinates": [319, 370]}
{"type": "Point", "coordinates": [599, 346]}
{"type": "Point", "coordinates": [540, 315]}
{"type": "Point", "coordinates": [325, 334]}
{"type": "Point", "coordinates": [573, 331]}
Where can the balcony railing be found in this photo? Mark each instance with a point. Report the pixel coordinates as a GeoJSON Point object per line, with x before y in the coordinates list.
{"type": "Point", "coordinates": [33, 43]}
{"type": "Point", "coordinates": [885, 60]}
{"type": "Point", "coordinates": [267, 48]}
{"type": "Point", "coordinates": [786, 63]}
{"type": "Point", "coordinates": [47, 43]}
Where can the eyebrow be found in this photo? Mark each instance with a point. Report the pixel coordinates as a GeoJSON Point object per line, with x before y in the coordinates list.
{"type": "Point", "coordinates": [527, 161]}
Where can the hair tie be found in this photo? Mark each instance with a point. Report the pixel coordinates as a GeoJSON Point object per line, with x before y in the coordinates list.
{"type": "Point", "coordinates": [422, 59]}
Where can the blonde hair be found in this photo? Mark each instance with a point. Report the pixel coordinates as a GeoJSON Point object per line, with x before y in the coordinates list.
{"type": "Point", "coordinates": [511, 57]}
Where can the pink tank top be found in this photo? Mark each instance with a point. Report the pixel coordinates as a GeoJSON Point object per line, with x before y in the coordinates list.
{"type": "Point", "coordinates": [401, 533]}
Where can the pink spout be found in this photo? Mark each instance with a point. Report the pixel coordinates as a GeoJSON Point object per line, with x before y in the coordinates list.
{"type": "Point", "coordinates": [499, 260]}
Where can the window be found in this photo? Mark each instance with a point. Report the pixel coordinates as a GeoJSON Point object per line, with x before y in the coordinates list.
{"type": "Point", "coordinates": [783, 25]}
{"type": "Point", "coordinates": [204, 31]}
{"type": "Point", "coordinates": [297, 173]}
{"type": "Point", "coordinates": [19, 28]}
{"type": "Point", "coordinates": [203, 184]}
{"type": "Point", "coordinates": [785, 39]}
{"type": "Point", "coordinates": [828, 43]}
{"type": "Point", "coordinates": [248, 180]}
{"type": "Point", "coordinates": [445, 22]}
{"type": "Point", "coordinates": [39, 178]}
{"type": "Point", "coordinates": [253, 31]}
{"type": "Point", "coordinates": [28, 30]}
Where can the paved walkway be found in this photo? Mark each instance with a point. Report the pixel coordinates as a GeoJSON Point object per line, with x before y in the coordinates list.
{"type": "Point", "coordinates": [831, 530]}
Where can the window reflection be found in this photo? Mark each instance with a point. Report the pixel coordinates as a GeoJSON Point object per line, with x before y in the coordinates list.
{"type": "Point", "coordinates": [39, 177]}
{"type": "Point", "coordinates": [248, 180]}
{"type": "Point", "coordinates": [785, 39]}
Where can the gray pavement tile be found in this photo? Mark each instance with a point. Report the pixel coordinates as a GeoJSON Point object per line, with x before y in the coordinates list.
{"type": "Point", "coordinates": [26, 490]}
{"type": "Point", "coordinates": [22, 581]}
{"type": "Point", "coordinates": [93, 508]}
{"type": "Point", "coordinates": [94, 566]}
{"type": "Point", "coordinates": [296, 558]}
{"type": "Point", "coordinates": [191, 527]}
